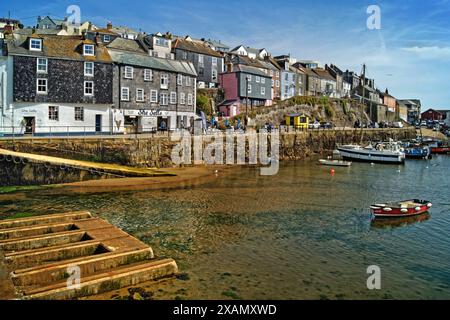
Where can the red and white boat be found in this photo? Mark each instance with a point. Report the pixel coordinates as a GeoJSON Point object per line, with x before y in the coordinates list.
{"type": "Point", "coordinates": [405, 208]}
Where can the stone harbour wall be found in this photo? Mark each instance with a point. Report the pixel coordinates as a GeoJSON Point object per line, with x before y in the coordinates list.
{"type": "Point", "coordinates": [156, 151]}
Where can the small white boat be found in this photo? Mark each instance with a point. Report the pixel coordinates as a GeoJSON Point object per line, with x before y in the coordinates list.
{"type": "Point", "coordinates": [335, 163]}
{"type": "Point", "coordinates": [390, 152]}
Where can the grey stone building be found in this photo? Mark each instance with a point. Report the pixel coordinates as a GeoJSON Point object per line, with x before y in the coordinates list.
{"type": "Point", "coordinates": [152, 93]}
{"type": "Point", "coordinates": [207, 62]}
{"type": "Point", "coordinates": [57, 85]}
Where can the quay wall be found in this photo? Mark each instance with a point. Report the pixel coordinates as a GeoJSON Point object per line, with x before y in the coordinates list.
{"type": "Point", "coordinates": [155, 151]}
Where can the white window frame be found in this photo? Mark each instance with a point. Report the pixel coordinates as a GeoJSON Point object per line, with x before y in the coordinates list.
{"type": "Point", "coordinates": [180, 79]}
{"type": "Point", "coordinates": [81, 112]}
{"type": "Point", "coordinates": [173, 97]}
{"type": "Point", "coordinates": [263, 91]}
{"type": "Point", "coordinates": [258, 79]}
{"type": "Point", "coordinates": [56, 113]}
{"type": "Point", "coordinates": [129, 72]}
{"type": "Point", "coordinates": [87, 52]}
{"type": "Point", "coordinates": [35, 44]}
{"type": "Point", "coordinates": [201, 60]}
{"type": "Point", "coordinates": [214, 61]}
{"type": "Point", "coordinates": [139, 97]}
{"type": "Point", "coordinates": [249, 77]}
{"type": "Point", "coordinates": [263, 80]}
{"type": "Point", "coordinates": [154, 96]}
{"type": "Point", "coordinates": [122, 94]}
{"type": "Point", "coordinates": [42, 85]}
{"type": "Point", "coordinates": [85, 87]}
{"type": "Point", "coordinates": [40, 64]}
{"type": "Point", "coordinates": [190, 99]}
{"type": "Point", "coordinates": [164, 82]}
{"type": "Point", "coordinates": [278, 83]}
{"type": "Point", "coordinates": [86, 74]}
{"type": "Point", "coordinates": [182, 98]}
{"type": "Point", "coordinates": [148, 75]}
{"type": "Point", "coordinates": [106, 36]}
{"type": "Point", "coordinates": [188, 81]}
{"type": "Point", "coordinates": [163, 99]}
{"type": "Point", "coordinates": [214, 74]}
{"type": "Point", "coordinates": [249, 88]}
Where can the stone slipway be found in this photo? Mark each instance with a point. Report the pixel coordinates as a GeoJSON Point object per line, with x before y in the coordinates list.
{"type": "Point", "coordinates": [123, 171]}
{"type": "Point", "coordinates": [39, 253]}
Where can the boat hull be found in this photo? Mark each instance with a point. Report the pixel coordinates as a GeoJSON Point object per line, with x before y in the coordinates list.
{"type": "Point", "coordinates": [335, 163]}
{"type": "Point", "coordinates": [440, 150]}
{"type": "Point", "coordinates": [367, 156]}
{"type": "Point", "coordinates": [398, 212]}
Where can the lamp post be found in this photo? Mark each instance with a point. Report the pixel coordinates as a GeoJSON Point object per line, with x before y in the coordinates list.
{"type": "Point", "coordinates": [246, 98]}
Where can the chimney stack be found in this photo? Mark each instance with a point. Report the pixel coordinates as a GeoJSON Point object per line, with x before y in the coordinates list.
{"type": "Point", "coordinates": [230, 67]}
{"type": "Point", "coordinates": [109, 26]}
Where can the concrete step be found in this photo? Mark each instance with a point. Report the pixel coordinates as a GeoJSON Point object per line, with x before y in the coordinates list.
{"type": "Point", "coordinates": [107, 281]}
{"type": "Point", "coordinates": [21, 232]}
{"type": "Point", "coordinates": [38, 257]}
{"type": "Point", "coordinates": [50, 273]}
{"type": "Point", "coordinates": [37, 242]}
{"type": "Point", "coordinates": [48, 219]}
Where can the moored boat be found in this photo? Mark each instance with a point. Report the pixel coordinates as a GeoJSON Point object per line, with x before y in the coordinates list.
{"type": "Point", "coordinates": [438, 147]}
{"type": "Point", "coordinates": [407, 208]}
{"type": "Point", "coordinates": [390, 152]}
{"type": "Point", "coordinates": [417, 152]}
{"type": "Point", "coordinates": [337, 163]}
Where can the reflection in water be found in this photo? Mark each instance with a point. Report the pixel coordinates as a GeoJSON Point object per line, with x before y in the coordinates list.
{"type": "Point", "coordinates": [399, 222]}
{"type": "Point", "coordinates": [302, 234]}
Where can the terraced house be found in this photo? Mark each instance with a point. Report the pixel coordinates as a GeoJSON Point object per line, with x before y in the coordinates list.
{"type": "Point", "coordinates": [57, 85]}
{"type": "Point", "coordinates": [152, 92]}
{"type": "Point", "coordinates": [207, 62]}
{"type": "Point", "coordinates": [246, 87]}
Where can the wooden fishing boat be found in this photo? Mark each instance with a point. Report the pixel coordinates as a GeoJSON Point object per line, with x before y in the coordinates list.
{"type": "Point", "coordinates": [407, 208]}
{"type": "Point", "coordinates": [335, 163]}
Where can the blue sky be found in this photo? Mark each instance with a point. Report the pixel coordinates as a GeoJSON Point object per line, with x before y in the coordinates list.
{"type": "Point", "coordinates": [410, 54]}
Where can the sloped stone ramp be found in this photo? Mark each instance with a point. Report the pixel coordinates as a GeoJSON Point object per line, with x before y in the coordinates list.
{"type": "Point", "coordinates": [44, 254]}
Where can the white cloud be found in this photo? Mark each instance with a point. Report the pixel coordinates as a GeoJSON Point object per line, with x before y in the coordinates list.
{"type": "Point", "coordinates": [430, 53]}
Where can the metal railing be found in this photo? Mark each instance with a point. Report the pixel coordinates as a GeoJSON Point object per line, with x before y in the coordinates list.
{"type": "Point", "coordinates": [133, 132]}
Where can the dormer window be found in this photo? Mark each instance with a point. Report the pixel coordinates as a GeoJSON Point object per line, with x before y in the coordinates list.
{"type": "Point", "coordinates": [88, 50]}
{"type": "Point", "coordinates": [36, 44]}
{"type": "Point", "coordinates": [106, 38]}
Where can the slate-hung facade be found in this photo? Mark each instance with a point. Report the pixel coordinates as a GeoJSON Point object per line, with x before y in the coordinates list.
{"type": "Point", "coordinates": [151, 92]}
{"type": "Point", "coordinates": [207, 62]}
{"type": "Point", "coordinates": [245, 87]}
{"type": "Point", "coordinates": [61, 85]}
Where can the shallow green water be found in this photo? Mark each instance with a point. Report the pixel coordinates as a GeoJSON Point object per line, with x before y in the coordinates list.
{"type": "Point", "coordinates": [302, 234]}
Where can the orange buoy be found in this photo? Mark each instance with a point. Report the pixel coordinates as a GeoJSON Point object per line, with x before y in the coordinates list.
{"type": "Point", "coordinates": [332, 172]}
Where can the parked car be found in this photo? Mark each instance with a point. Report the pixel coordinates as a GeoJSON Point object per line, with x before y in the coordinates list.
{"type": "Point", "coordinates": [423, 123]}
{"type": "Point", "coordinates": [314, 125]}
{"type": "Point", "coordinates": [397, 124]}
{"type": "Point", "coordinates": [326, 125]}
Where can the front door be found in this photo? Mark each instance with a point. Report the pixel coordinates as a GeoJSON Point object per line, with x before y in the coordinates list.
{"type": "Point", "coordinates": [98, 123]}
{"type": "Point", "coordinates": [29, 124]}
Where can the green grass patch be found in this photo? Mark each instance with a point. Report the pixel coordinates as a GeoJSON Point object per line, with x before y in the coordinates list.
{"type": "Point", "coordinates": [18, 188]}
{"type": "Point", "coordinates": [21, 215]}
{"type": "Point", "coordinates": [232, 295]}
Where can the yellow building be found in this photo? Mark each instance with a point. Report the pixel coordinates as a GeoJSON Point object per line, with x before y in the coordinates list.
{"type": "Point", "coordinates": [298, 121]}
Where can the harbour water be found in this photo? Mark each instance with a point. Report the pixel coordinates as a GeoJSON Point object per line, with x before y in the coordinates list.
{"type": "Point", "coordinates": [302, 234]}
